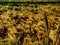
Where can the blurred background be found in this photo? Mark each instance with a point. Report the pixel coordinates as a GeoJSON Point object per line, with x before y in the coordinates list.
{"type": "Point", "coordinates": [29, 0]}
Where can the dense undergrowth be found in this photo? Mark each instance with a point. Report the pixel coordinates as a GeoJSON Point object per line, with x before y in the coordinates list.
{"type": "Point", "coordinates": [30, 25]}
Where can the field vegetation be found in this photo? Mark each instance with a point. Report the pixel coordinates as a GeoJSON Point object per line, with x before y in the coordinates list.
{"type": "Point", "coordinates": [30, 25]}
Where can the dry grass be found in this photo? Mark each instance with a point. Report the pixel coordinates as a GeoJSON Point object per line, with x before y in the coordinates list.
{"type": "Point", "coordinates": [29, 25]}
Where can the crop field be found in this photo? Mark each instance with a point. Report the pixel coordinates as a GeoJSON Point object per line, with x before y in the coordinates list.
{"type": "Point", "coordinates": [33, 24]}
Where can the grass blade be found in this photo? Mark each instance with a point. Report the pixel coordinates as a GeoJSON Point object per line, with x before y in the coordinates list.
{"type": "Point", "coordinates": [57, 39]}
{"type": "Point", "coordinates": [48, 30]}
